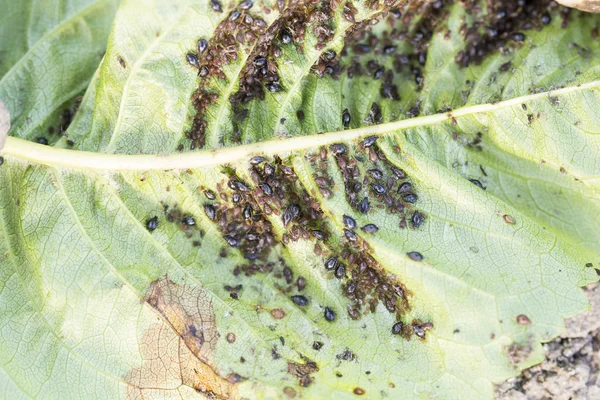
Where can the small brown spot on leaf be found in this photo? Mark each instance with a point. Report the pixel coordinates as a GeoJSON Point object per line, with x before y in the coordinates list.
{"type": "Point", "coordinates": [277, 313]}
{"type": "Point", "coordinates": [122, 62]}
{"type": "Point", "coordinates": [358, 391]}
{"type": "Point", "coordinates": [231, 337]}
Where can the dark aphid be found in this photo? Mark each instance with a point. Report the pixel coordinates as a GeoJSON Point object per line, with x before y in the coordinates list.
{"type": "Point", "coordinates": [216, 6]}
{"type": "Point", "coordinates": [257, 160]}
{"type": "Point", "coordinates": [415, 255]}
{"type": "Point", "coordinates": [331, 262]}
{"type": "Point", "coordinates": [362, 48]}
{"type": "Point", "coordinates": [356, 187]}
{"type": "Point", "coordinates": [238, 185]}
{"type": "Point", "coordinates": [364, 206]}
{"type": "Point", "coordinates": [329, 314]}
{"type": "Point", "coordinates": [273, 87]}
{"type": "Point", "coordinates": [268, 190]}
{"type": "Point", "coordinates": [300, 115]}
{"type": "Point", "coordinates": [410, 198]}
{"type": "Point", "coordinates": [300, 283]}
{"type": "Point", "coordinates": [285, 36]}
{"type": "Point", "coordinates": [349, 222]}
{"type": "Point", "coordinates": [234, 15]}
{"type": "Point", "coordinates": [398, 173]}
{"type": "Point", "coordinates": [189, 221]}
{"type": "Point", "coordinates": [421, 329]}
{"type": "Point", "coordinates": [340, 272]}
{"type": "Point", "coordinates": [236, 198]}
{"type": "Point", "coordinates": [379, 188]}
{"type": "Point", "coordinates": [374, 116]}
{"type": "Point", "coordinates": [351, 236]}
{"type": "Point", "coordinates": [248, 20]}
{"type": "Point", "coordinates": [192, 60]}
{"type": "Point", "coordinates": [396, 13]}
{"type": "Point", "coordinates": [294, 210]}
{"type": "Point", "coordinates": [397, 328]}
{"type": "Point", "coordinates": [246, 5]}
{"type": "Point", "coordinates": [546, 19]}
{"type": "Point", "coordinates": [329, 55]}
{"type": "Point", "coordinates": [260, 61]}
{"type": "Point", "coordinates": [317, 345]}
{"type": "Point", "coordinates": [203, 71]}
{"type": "Point", "coordinates": [416, 219]}
{"type": "Point", "coordinates": [152, 223]}
{"type": "Point", "coordinates": [286, 217]}
{"type": "Point", "coordinates": [370, 141]}
{"type": "Point", "coordinates": [248, 211]}
{"type": "Point", "coordinates": [370, 228]}
{"type": "Point", "coordinates": [518, 37]}
{"type": "Point", "coordinates": [375, 173]}
{"type": "Point", "coordinates": [338, 148]}
{"type": "Point", "coordinates": [42, 140]}
{"type": "Point", "coordinates": [202, 46]}
{"type": "Point", "coordinates": [318, 234]}
{"type": "Point", "coordinates": [405, 187]}
{"type": "Point", "coordinates": [300, 300]}
{"type": "Point", "coordinates": [477, 183]}
{"type": "Point", "coordinates": [388, 50]}
{"type": "Point", "coordinates": [378, 73]}
{"type": "Point", "coordinates": [209, 210]}
{"type": "Point", "coordinates": [269, 169]}
{"type": "Point", "coordinates": [346, 118]}
{"type": "Point", "coordinates": [232, 241]}
{"type": "Point", "coordinates": [321, 181]}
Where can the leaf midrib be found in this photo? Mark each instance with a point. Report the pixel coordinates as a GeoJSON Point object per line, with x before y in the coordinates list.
{"type": "Point", "coordinates": [51, 156]}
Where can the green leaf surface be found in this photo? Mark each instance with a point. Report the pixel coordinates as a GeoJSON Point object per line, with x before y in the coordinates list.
{"type": "Point", "coordinates": [144, 255]}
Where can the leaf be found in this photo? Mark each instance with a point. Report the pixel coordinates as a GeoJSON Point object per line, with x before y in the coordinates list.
{"type": "Point", "coordinates": [132, 268]}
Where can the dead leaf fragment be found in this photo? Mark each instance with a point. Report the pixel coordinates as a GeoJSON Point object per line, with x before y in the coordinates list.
{"type": "Point", "coordinates": [583, 5]}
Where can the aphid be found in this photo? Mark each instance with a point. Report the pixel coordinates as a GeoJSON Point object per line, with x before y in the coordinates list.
{"type": "Point", "coordinates": [362, 48]}
{"type": "Point", "coordinates": [232, 241]}
{"type": "Point", "coordinates": [209, 210]}
{"type": "Point", "coordinates": [351, 236]}
{"type": "Point", "coordinates": [397, 328]}
{"type": "Point", "coordinates": [192, 60]}
{"type": "Point", "coordinates": [234, 15]}
{"type": "Point", "coordinates": [374, 116]}
{"type": "Point", "coordinates": [216, 6]}
{"type": "Point", "coordinates": [349, 222]}
{"type": "Point", "coordinates": [388, 50]}
{"type": "Point", "coordinates": [477, 183]}
{"type": "Point", "coordinates": [340, 272]}
{"type": "Point", "coordinates": [410, 198]}
{"type": "Point", "coordinates": [378, 73]}
{"type": "Point", "coordinates": [416, 219]}
{"type": "Point", "coordinates": [405, 187]}
{"type": "Point", "coordinates": [273, 87]}
{"type": "Point", "coordinates": [321, 182]}
{"type": "Point", "coordinates": [518, 37]}
{"type": "Point", "coordinates": [238, 185]}
{"type": "Point", "coordinates": [268, 190]}
{"type": "Point", "coordinates": [375, 173]}
{"type": "Point", "coordinates": [202, 46]}
{"type": "Point", "coordinates": [318, 234]}
{"type": "Point", "coordinates": [415, 255]}
{"type": "Point", "coordinates": [42, 140]}
{"type": "Point", "coordinates": [370, 228]}
{"type": "Point", "coordinates": [329, 314]}
{"type": "Point", "coordinates": [364, 206]}
{"type": "Point", "coordinates": [210, 194]}
{"type": "Point", "coordinates": [248, 211]}
{"type": "Point", "coordinates": [369, 141]}
{"type": "Point", "coordinates": [299, 300]}
{"type": "Point", "coordinates": [246, 5]}
{"type": "Point", "coordinates": [236, 198]}
{"type": "Point", "coordinates": [189, 221]}
{"type": "Point", "coordinates": [317, 345]}
{"type": "Point", "coordinates": [257, 160]}
{"type": "Point", "coordinates": [379, 188]}
{"type": "Point", "coordinates": [396, 13]}
{"type": "Point", "coordinates": [203, 71]}
{"type": "Point", "coordinates": [398, 173]}
{"type": "Point", "coordinates": [346, 118]}
{"type": "Point", "coordinates": [421, 329]}
{"type": "Point", "coordinates": [546, 19]}
{"type": "Point", "coordinates": [285, 36]}
{"type": "Point", "coordinates": [356, 187]}
{"type": "Point", "coordinates": [151, 224]}
{"type": "Point", "coordinates": [331, 262]}
{"type": "Point", "coordinates": [300, 115]}
{"type": "Point", "coordinates": [338, 148]}
{"type": "Point", "coordinates": [300, 283]}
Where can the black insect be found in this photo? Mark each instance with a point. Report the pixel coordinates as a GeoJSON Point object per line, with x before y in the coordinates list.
{"type": "Point", "coordinates": [209, 210]}
{"type": "Point", "coordinates": [189, 221]}
{"type": "Point", "coordinates": [370, 228]}
{"type": "Point", "coordinates": [269, 169]}
{"type": "Point", "coordinates": [415, 255]}
{"type": "Point", "coordinates": [203, 72]}
{"type": "Point", "coordinates": [42, 140]}
{"type": "Point", "coordinates": [285, 37]}
{"type": "Point", "coordinates": [232, 241]}
{"type": "Point", "coordinates": [364, 206]}
{"type": "Point", "coordinates": [349, 222]}
{"type": "Point", "coordinates": [210, 194]}
{"type": "Point", "coordinates": [398, 173]}
{"type": "Point", "coordinates": [273, 87]}
{"type": "Point", "coordinates": [317, 345]}
{"type": "Point", "coordinates": [388, 50]}
{"type": "Point", "coordinates": [192, 60]}
{"type": "Point", "coordinates": [546, 19]}
{"type": "Point", "coordinates": [340, 272]}
{"type": "Point", "coordinates": [260, 61]}
{"type": "Point", "coordinates": [329, 314]}
{"type": "Point", "coordinates": [379, 188]}
{"type": "Point", "coordinates": [236, 198]}
{"type": "Point", "coordinates": [268, 190]}
{"type": "Point", "coordinates": [216, 6]}
{"type": "Point", "coordinates": [234, 15]}
{"type": "Point", "coordinates": [246, 5]}
{"type": "Point", "coordinates": [375, 173]}
{"type": "Point", "coordinates": [405, 187]}
{"type": "Point", "coordinates": [299, 300]}
{"type": "Point", "coordinates": [362, 48]}
{"type": "Point", "coordinates": [152, 223]}
{"type": "Point", "coordinates": [318, 234]}
{"type": "Point", "coordinates": [378, 73]}
{"type": "Point", "coordinates": [338, 148]}
{"type": "Point", "coordinates": [397, 328]}
{"type": "Point", "coordinates": [518, 37]}
{"type": "Point", "coordinates": [202, 46]}
{"type": "Point", "coordinates": [331, 262]}
{"type": "Point", "coordinates": [248, 211]}
{"type": "Point", "coordinates": [346, 118]}
{"type": "Point", "coordinates": [257, 160]}
{"type": "Point", "coordinates": [370, 141]}
{"type": "Point", "coordinates": [477, 183]}
{"type": "Point", "coordinates": [416, 219]}
{"type": "Point", "coordinates": [351, 236]}
{"type": "Point", "coordinates": [300, 115]}
{"type": "Point", "coordinates": [238, 185]}
{"type": "Point", "coordinates": [410, 198]}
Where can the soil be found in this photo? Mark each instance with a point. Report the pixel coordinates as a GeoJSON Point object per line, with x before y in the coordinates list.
{"type": "Point", "coordinates": [571, 369]}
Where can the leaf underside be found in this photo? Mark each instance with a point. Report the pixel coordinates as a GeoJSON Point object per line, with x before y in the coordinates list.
{"type": "Point", "coordinates": [424, 260]}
